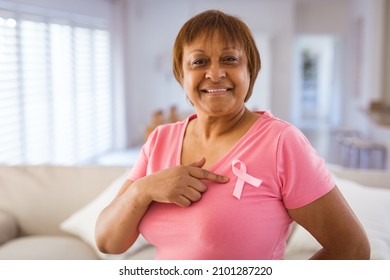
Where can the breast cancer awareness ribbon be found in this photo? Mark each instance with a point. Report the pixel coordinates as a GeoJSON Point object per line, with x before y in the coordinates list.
{"type": "Point", "coordinates": [242, 177]}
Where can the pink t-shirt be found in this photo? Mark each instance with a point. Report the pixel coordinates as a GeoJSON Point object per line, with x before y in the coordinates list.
{"type": "Point", "coordinates": [221, 225]}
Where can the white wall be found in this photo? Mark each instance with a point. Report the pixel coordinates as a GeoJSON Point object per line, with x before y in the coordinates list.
{"type": "Point", "coordinates": [151, 32]}
{"type": "Point", "coordinates": [364, 62]}
{"type": "Point", "coordinates": [322, 17]}
{"type": "Point", "coordinates": [386, 68]}
{"type": "Point", "coordinates": [370, 64]}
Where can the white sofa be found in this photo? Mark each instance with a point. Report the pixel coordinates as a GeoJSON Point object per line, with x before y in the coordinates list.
{"type": "Point", "coordinates": [49, 212]}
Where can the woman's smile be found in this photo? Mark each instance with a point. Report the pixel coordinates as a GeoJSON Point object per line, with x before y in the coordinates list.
{"type": "Point", "coordinates": [216, 91]}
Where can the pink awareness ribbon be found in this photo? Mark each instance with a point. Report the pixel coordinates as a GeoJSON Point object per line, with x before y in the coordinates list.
{"type": "Point", "coordinates": [243, 177]}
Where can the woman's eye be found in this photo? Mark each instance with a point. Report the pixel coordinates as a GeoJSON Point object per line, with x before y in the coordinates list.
{"type": "Point", "coordinates": [199, 62]}
{"type": "Point", "coordinates": [230, 59]}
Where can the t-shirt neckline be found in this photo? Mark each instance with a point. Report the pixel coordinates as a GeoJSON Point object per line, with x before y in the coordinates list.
{"type": "Point", "coordinates": [264, 115]}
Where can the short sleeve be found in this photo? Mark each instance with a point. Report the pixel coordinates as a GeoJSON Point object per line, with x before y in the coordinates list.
{"type": "Point", "coordinates": [303, 174]}
{"type": "Point", "coordinates": [161, 150]}
{"type": "Point", "coordinates": [139, 168]}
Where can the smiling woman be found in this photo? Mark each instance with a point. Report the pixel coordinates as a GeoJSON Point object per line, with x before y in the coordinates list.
{"type": "Point", "coordinates": [232, 33]}
{"type": "Point", "coordinates": [227, 182]}
{"type": "Point", "coordinates": [215, 70]}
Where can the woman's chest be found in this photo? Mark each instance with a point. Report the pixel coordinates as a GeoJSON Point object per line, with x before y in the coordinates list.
{"type": "Point", "coordinates": [213, 152]}
{"type": "Point", "coordinates": [240, 228]}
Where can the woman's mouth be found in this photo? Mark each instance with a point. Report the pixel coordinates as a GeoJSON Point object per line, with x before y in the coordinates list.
{"type": "Point", "coordinates": [216, 91]}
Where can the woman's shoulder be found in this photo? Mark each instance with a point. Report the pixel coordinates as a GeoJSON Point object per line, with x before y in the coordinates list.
{"type": "Point", "coordinates": [168, 127]}
{"type": "Point", "coordinates": [270, 122]}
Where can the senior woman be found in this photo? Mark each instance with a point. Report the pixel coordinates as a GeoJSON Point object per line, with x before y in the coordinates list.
{"type": "Point", "coordinates": [227, 183]}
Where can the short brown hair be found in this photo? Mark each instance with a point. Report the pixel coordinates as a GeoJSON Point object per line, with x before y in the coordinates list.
{"type": "Point", "coordinates": [229, 27]}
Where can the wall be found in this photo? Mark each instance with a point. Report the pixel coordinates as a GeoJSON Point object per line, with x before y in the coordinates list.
{"type": "Point", "coordinates": [323, 17]}
{"type": "Point", "coordinates": [150, 83]}
{"type": "Point", "coordinates": [364, 62]}
{"type": "Point", "coordinates": [370, 62]}
{"type": "Point", "coordinates": [119, 29]}
{"type": "Point", "coordinates": [386, 68]}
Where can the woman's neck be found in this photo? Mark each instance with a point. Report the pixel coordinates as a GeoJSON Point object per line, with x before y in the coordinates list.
{"type": "Point", "coordinates": [210, 128]}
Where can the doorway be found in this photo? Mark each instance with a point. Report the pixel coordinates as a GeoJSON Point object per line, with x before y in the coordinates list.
{"type": "Point", "coordinates": [316, 81]}
{"type": "Point", "coordinates": [317, 88]}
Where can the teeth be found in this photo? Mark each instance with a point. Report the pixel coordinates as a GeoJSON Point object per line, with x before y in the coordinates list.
{"type": "Point", "coordinates": [216, 90]}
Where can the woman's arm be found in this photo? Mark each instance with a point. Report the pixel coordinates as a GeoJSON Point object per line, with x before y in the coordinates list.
{"type": "Point", "coordinates": [332, 222]}
{"type": "Point", "coordinates": [120, 219]}
{"type": "Point", "coordinates": [117, 225]}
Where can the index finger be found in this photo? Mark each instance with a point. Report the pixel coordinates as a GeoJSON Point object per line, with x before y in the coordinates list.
{"type": "Point", "coordinates": [204, 174]}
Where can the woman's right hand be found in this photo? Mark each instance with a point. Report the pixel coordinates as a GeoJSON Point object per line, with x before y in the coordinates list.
{"type": "Point", "coordinates": [181, 185]}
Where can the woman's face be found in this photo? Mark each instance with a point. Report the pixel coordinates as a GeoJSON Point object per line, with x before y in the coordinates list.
{"type": "Point", "coordinates": [215, 76]}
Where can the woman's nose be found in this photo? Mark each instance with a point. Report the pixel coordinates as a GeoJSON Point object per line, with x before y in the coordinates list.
{"type": "Point", "coordinates": [215, 73]}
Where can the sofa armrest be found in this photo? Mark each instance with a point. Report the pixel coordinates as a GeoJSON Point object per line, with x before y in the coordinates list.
{"type": "Point", "coordinates": [8, 227]}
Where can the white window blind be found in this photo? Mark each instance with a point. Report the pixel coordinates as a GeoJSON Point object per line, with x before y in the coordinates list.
{"type": "Point", "coordinates": [55, 84]}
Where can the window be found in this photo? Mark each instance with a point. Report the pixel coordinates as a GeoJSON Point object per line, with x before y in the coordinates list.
{"type": "Point", "coordinates": [55, 85]}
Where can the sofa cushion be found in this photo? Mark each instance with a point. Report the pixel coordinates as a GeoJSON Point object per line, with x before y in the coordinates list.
{"type": "Point", "coordinates": [46, 248]}
{"type": "Point", "coordinates": [372, 207]}
{"type": "Point", "coordinates": [8, 227]}
{"type": "Point", "coordinates": [82, 223]}
{"type": "Point", "coordinates": [41, 197]}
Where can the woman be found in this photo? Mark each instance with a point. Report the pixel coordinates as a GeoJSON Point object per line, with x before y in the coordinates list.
{"type": "Point", "coordinates": [226, 183]}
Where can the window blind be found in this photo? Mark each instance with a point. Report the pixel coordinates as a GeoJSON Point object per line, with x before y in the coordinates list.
{"type": "Point", "coordinates": [55, 84]}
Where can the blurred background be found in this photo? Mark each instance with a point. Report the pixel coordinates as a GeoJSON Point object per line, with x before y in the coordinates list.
{"type": "Point", "coordinates": [80, 80]}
